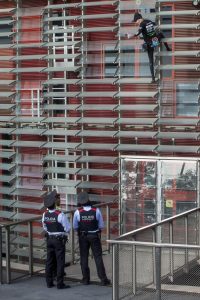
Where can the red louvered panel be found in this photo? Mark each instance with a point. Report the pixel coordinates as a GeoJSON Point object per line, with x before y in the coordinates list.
{"type": "Point", "coordinates": [6, 76]}
{"type": "Point", "coordinates": [34, 3]}
{"type": "Point", "coordinates": [188, 60]}
{"type": "Point", "coordinates": [9, 52]}
{"type": "Point", "coordinates": [103, 179]}
{"type": "Point", "coordinates": [31, 23]}
{"type": "Point", "coordinates": [33, 63]}
{"type": "Point", "coordinates": [34, 51]}
{"type": "Point", "coordinates": [100, 87]}
{"type": "Point", "coordinates": [101, 9]}
{"type": "Point", "coordinates": [94, 36]}
{"type": "Point", "coordinates": [189, 74]}
{"type": "Point", "coordinates": [7, 64]}
{"type": "Point", "coordinates": [104, 114]}
{"type": "Point", "coordinates": [34, 76]}
{"type": "Point", "coordinates": [99, 140]}
{"type": "Point", "coordinates": [7, 4]}
{"type": "Point", "coordinates": [184, 5]}
{"type": "Point", "coordinates": [100, 100]}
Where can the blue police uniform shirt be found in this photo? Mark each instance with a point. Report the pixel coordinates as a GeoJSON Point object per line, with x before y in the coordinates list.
{"type": "Point", "coordinates": [62, 219]}
{"type": "Point", "coordinates": [99, 218]}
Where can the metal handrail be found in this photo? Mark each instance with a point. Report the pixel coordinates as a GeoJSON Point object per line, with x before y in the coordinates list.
{"type": "Point", "coordinates": [7, 224]}
{"type": "Point", "coordinates": [154, 225]}
{"type": "Point", "coordinates": [156, 245]}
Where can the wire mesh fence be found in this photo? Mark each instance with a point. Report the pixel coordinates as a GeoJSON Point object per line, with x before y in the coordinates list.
{"type": "Point", "coordinates": [161, 261]}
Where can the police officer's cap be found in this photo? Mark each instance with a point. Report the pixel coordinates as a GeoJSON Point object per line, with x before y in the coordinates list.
{"type": "Point", "coordinates": [137, 16]}
{"type": "Point", "coordinates": [83, 198]}
{"type": "Point", "coordinates": [50, 199]}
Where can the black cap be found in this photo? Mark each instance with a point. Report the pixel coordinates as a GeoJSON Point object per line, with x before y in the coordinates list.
{"type": "Point", "coordinates": [137, 16]}
{"type": "Point", "coordinates": [50, 199]}
{"type": "Point", "coordinates": [83, 198]}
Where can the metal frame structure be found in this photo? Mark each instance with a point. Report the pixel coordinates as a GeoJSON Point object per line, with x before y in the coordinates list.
{"type": "Point", "coordinates": [86, 119]}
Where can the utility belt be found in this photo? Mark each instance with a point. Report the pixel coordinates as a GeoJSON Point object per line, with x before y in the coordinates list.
{"type": "Point", "coordinates": [59, 237]}
{"type": "Point", "coordinates": [85, 233]}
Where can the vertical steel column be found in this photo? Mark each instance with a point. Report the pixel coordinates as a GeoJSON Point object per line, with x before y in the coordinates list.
{"type": "Point", "coordinates": [159, 85]}
{"type": "Point", "coordinates": [18, 90]}
{"type": "Point", "coordinates": [159, 199]}
{"type": "Point", "coordinates": [1, 259]}
{"type": "Point", "coordinates": [8, 273]}
{"type": "Point", "coordinates": [84, 58]}
{"type": "Point", "coordinates": [121, 211]}
{"type": "Point", "coordinates": [153, 253]}
{"type": "Point", "coordinates": [198, 183]}
{"type": "Point", "coordinates": [119, 112]}
{"type": "Point", "coordinates": [50, 64]}
{"type": "Point", "coordinates": [30, 247]}
{"type": "Point", "coordinates": [158, 273]}
{"type": "Point", "coordinates": [198, 204]}
{"type": "Point", "coordinates": [198, 214]}
{"type": "Point", "coordinates": [115, 271]}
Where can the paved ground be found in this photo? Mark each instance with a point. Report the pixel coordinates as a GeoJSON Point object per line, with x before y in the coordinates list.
{"type": "Point", "coordinates": [35, 289]}
{"type": "Point", "coordinates": [186, 287]}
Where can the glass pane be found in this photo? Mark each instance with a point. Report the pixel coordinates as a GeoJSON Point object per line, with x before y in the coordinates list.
{"type": "Point", "coordinates": [138, 193]}
{"type": "Point", "coordinates": [179, 187]}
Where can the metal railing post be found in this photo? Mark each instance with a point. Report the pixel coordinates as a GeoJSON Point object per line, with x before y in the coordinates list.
{"type": "Point", "coordinates": [115, 272]}
{"type": "Point", "coordinates": [8, 275]}
{"type": "Point", "coordinates": [198, 233]}
{"type": "Point", "coordinates": [186, 269]}
{"type": "Point", "coordinates": [108, 226]}
{"type": "Point", "coordinates": [134, 269]}
{"type": "Point", "coordinates": [72, 242]}
{"type": "Point", "coordinates": [1, 259]}
{"type": "Point", "coordinates": [154, 235]}
{"type": "Point", "coordinates": [30, 247]}
{"type": "Point", "coordinates": [158, 273]}
{"type": "Point", "coordinates": [171, 261]}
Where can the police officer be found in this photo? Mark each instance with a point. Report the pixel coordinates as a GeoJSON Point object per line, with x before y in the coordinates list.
{"type": "Point", "coordinates": [151, 39]}
{"type": "Point", "coordinates": [56, 226]}
{"type": "Point", "coordinates": [88, 222]}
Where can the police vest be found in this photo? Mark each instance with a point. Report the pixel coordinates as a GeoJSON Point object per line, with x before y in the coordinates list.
{"type": "Point", "coordinates": [88, 220]}
{"type": "Point", "coordinates": [51, 221]}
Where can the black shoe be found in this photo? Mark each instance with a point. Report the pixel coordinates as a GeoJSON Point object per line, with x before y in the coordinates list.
{"type": "Point", "coordinates": [106, 282]}
{"type": "Point", "coordinates": [63, 286]}
{"type": "Point", "coordinates": [169, 49]}
{"type": "Point", "coordinates": [153, 80]}
{"type": "Point", "coordinates": [85, 281]}
{"type": "Point", "coordinates": [50, 285]}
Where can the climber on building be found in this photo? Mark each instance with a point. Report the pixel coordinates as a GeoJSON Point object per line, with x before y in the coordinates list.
{"type": "Point", "coordinates": [152, 38]}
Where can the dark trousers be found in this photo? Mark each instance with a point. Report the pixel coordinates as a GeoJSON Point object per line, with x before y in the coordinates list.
{"type": "Point", "coordinates": [55, 249]}
{"type": "Point", "coordinates": [150, 52]}
{"type": "Point", "coordinates": [160, 37]}
{"type": "Point", "coordinates": [85, 242]}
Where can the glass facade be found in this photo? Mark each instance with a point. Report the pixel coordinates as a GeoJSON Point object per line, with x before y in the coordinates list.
{"type": "Point", "coordinates": [156, 189]}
